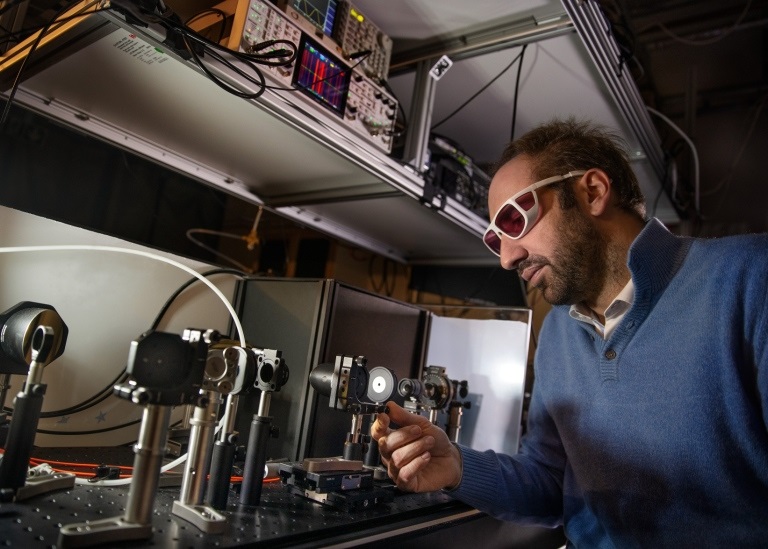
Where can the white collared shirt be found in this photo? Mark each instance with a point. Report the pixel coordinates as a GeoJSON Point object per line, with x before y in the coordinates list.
{"type": "Point", "coordinates": [613, 314]}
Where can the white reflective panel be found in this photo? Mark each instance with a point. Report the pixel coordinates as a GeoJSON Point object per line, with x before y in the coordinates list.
{"type": "Point", "coordinates": [491, 356]}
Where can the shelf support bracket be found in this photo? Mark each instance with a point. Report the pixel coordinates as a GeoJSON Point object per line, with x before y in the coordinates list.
{"type": "Point", "coordinates": [417, 139]}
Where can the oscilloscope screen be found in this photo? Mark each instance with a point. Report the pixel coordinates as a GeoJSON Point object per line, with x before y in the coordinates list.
{"type": "Point", "coordinates": [320, 13]}
{"type": "Point", "coordinates": [322, 76]}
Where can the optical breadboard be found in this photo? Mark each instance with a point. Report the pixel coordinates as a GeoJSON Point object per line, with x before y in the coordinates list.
{"type": "Point", "coordinates": [321, 77]}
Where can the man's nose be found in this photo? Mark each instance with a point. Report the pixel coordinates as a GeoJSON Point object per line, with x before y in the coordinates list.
{"type": "Point", "coordinates": [511, 253]}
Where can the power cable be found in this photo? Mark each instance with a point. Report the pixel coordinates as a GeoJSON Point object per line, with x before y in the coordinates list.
{"type": "Point", "coordinates": [92, 431]}
{"type": "Point", "coordinates": [694, 152]}
{"type": "Point", "coordinates": [725, 181]}
{"type": "Point", "coordinates": [481, 90]}
{"type": "Point", "coordinates": [719, 34]}
{"type": "Point", "coordinates": [106, 391]}
{"type": "Point", "coordinates": [517, 89]}
{"type": "Point", "coordinates": [167, 305]}
{"type": "Point", "coordinates": [214, 11]}
{"type": "Point", "coordinates": [43, 31]}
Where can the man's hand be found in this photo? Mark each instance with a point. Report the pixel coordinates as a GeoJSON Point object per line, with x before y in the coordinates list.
{"type": "Point", "coordinates": [418, 456]}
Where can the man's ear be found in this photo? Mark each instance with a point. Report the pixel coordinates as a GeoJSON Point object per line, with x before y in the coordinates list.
{"type": "Point", "coordinates": [596, 191]}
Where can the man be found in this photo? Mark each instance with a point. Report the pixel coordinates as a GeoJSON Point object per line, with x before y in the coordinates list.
{"type": "Point", "coordinates": [647, 425]}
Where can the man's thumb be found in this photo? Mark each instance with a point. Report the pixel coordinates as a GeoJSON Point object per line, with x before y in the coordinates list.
{"type": "Point", "coordinates": [397, 414]}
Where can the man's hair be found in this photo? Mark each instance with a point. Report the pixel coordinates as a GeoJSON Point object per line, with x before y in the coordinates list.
{"type": "Point", "coordinates": [561, 146]}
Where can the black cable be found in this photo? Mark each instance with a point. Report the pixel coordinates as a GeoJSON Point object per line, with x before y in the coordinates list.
{"type": "Point", "coordinates": [22, 33]}
{"type": "Point", "coordinates": [481, 90]}
{"type": "Point", "coordinates": [33, 47]}
{"type": "Point", "coordinates": [192, 39]}
{"type": "Point", "coordinates": [517, 89]}
{"type": "Point", "coordinates": [106, 392]}
{"type": "Point", "coordinates": [187, 284]}
{"type": "Point", "coordinates": [619, 30]}
{"type": "Point", "coordinates": [92, 431]}
{"type": "Point", "coordinates": [8, 37]}
{"type": "Point", "coordinates": [260, 83]}
{"type": "Point", "coordinates": [285, 56]}
{"type": "Point", "coordinates": [91, 401]}
{"type": "Point", "coordinates": [196, 46]}
{"type": "Point", "coordinates": [9, 5]}
{"type": "Point", "coordinates": [661, 190]}
{"type": "Point", "coordinates": [214, 11]}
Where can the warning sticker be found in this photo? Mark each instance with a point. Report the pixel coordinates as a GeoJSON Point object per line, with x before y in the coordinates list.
{"type": "Point", "coordinates": [137, 48]}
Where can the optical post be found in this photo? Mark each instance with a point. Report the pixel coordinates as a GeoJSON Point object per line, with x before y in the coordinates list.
{"type": "Point", "coordinates": [165, 370]}
{"type": "Point", "coordinates": [33, 335]}
{"type": "Point", "coordinates": [244, 359]}
{"type": "Point", "coordinates": [346, 481]}
{"type": "Point", "coordinates": [225, 371]}
{"type": "Point", "coordinates": [271, 374]}
{"type": "Point", "coordinates": [436, 392]}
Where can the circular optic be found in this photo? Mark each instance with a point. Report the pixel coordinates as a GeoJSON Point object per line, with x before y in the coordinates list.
{"type": "Point", "coordinates": [381, 384]}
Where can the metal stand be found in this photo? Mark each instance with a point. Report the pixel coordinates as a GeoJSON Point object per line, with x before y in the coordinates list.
{"type": "Point", "coordinates": [14, 485]}
{"type": "Point", "coordinates": [351, 387]}
{"type": "Point", "coordinates": [371, 458]}
{"type": "Point", "coordinates": [434, 393]}
{"type": "Point", "coordinates": [229, 371]}
{"type": "Point", "coordinates": [455, 411]}
{"type": "Point", "coordinates": [272, 374]}
{"type": "Point", "coordinates": [189, 505]}
{"type": "Point", "coordinates": [5, 386]}
{"type": "Point", "coordinates": [354, 446]}
{"type": "Point", "coordinates": [166, 370]}
{"type": "Point", "coordinates": [357, 445]}
{"type": "Point", "coordinates": [223, 458]}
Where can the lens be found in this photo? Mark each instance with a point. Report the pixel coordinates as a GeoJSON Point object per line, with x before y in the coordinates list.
{"type": "Point", "coordinates": [526, 201]}
{"type": "Point", "coordinates": [493, 242]}
{"type": "Point", "coordinates": [510, 221]}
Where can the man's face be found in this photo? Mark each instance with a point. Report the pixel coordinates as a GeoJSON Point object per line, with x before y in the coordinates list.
{"type": "Point", "coordinates": [563, 254]}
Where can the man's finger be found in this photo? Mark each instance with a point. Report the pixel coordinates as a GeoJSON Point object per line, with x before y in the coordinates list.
{"type": "Point", "coordinates": [380, 427]}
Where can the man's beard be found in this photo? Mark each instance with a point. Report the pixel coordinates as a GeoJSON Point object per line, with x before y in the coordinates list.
{"type": "Point", "coordinates": [578, 268]}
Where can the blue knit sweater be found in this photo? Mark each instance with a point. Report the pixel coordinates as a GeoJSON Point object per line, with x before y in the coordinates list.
{"type": "Point", "coordinates": [657, 437]}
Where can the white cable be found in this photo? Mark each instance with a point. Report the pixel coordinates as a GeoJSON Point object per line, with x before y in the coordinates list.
{"type": "Point", "coordinates": [124, 481]}
{"type": "Point", "coordinates": [693, 151]}
{"type": "Point", "coordinates": [215, 252]}
{"type": "Point", "coordinates": [86, 247]}
{"type": "Point", "coordinates": [720, 33]}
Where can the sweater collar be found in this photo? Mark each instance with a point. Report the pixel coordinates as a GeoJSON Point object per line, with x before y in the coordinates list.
{"type": "Point", "coordinates": [655, 257]}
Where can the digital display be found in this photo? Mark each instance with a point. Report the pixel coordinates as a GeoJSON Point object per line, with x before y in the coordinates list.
{"type": "Point", "coordinates": [320, 13]}
{"type": "Point", "coordinates": [322, 76]}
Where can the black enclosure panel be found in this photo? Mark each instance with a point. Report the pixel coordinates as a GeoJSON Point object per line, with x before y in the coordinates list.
{"type": "Point", "coordinates": [311, 321]}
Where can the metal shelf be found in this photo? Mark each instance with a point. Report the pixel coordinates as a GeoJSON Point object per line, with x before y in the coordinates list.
{"type": "Point", "coordinates": [102, 76]}
{"type": "Point", "coordinates": [111, 80]}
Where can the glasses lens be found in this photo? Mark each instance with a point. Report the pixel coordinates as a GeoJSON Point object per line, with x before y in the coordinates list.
{"type": "Point", "coordinates": [510, 221]}
{"type": "Point", "coordinates": [493, 242]}
{"type": "Point", "coordinates": [526, 201]}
